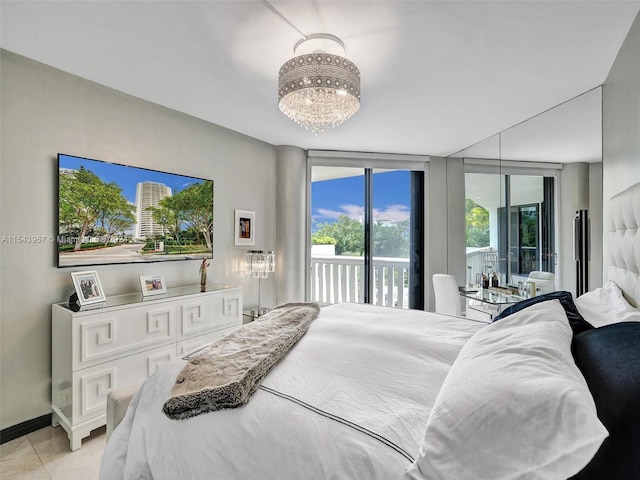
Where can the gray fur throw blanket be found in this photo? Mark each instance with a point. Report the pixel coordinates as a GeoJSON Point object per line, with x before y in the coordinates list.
{"type": "Point", "coordinates": [226, 373]}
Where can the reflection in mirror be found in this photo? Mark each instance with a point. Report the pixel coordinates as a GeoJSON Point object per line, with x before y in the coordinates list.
{"type": "Point", "coordinates": [483, 200]}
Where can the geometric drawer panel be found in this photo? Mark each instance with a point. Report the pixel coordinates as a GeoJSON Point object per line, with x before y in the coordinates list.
{"type": "Point", "coordinates": [97, 338]}
{"type": "Point", "coordinates": [95, 388]}
{"type": "Point", "coordinates": [193, 318]}
{"type": "Point", "coordinates": [131, 331]}
{"type": "Point", "coordinates": [158, 359]}
{"type": "Point", "coordinates": [232, 308]}
{"type": "Point", "coordinates": [93, 384]}
{"type": "Point", "coordinates": [207, 314]}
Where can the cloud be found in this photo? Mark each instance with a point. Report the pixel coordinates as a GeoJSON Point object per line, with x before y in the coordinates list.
{"type": "Point", "coordinates": [356, 212]}
{"type": "Point", "coordinates": [391, 213]}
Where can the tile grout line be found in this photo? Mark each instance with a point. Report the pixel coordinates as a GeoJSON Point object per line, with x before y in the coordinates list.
{"type": "Point", "coordinates": [39, 458]}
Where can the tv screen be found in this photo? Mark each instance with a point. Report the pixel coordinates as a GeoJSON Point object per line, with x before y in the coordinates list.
{"type": "Point", "coordinates": [110, 213]}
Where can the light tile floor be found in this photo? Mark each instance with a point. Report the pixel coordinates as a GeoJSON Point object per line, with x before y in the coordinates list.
{"type": "Point", "coordinates": [45, 455]}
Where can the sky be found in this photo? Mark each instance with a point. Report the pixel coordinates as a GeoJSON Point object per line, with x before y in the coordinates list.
{"type": "Point", "coordinates": [127, 177]}
{"type": "Point", "coordinates": [345, 196]}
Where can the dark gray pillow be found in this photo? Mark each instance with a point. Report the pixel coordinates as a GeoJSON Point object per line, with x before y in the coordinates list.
{"type": "Point", "coordinates": [578, 324]}
{"type": "Point", "coordinates": [609, 359]}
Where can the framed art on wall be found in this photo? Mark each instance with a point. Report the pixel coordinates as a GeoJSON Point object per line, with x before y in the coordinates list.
{"type": "Point", "coordinates": [152, 285]}
{"type": "Point", "coordinates": [244, 228]}
{"type": "Point", "coordinates": [88, 288]}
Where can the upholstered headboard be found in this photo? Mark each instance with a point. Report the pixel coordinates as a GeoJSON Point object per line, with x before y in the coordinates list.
{"type": "Point", "coordinates": [624, 242]}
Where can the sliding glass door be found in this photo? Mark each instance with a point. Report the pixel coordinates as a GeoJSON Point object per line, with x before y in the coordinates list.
{"type": "Point", "coordinates": [366, 234]}
{"type": "Point", "coordinates": [337, 234]}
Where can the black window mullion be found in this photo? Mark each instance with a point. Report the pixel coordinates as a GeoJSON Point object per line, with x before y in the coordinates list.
{"type": "Point", "coordinates": [416, 243]}
{"type": "Point", "coordinates": [368, 236]}
{"type": "Point", "coordinates": [548, 239]}
{"type": "Point", "coordinates": [508, 257]}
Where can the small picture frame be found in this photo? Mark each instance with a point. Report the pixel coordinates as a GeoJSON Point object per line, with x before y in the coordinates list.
{"type": "Point", "coordinates": [88, 287]}
{"type": "Point", "coordinates": [152, 285]}
{"type": "Point", "coordinates": [245, 227]}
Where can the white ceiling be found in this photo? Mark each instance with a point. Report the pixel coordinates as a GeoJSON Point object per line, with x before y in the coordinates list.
{"type": "Point", "coordinates": [437, 76]}
{"type": "Point", "coordinates": [568, 132]}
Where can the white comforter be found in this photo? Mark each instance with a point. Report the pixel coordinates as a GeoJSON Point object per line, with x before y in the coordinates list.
{"type": "Point", "coordinates": [350, 401]}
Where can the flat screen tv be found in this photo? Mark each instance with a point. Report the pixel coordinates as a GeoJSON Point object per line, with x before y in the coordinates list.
{"type": "Point", "coordinates": [110, 213]}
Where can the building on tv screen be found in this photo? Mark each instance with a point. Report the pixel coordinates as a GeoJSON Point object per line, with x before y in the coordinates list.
{"type": "Point", "coordinates": [110, 213]}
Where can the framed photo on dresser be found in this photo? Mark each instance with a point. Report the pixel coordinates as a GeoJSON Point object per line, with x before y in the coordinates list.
{"type": "Point", "coordinates": [152, 285]}
{"type": "Point", "coordinates": [88, 287]}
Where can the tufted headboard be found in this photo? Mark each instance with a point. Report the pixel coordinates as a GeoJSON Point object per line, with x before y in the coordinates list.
{"type": "Point", "coordinates": [624, 242]}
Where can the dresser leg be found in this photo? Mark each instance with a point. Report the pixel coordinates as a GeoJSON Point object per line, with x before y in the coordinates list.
{"type": "Point", "coordinates": [75, 441]}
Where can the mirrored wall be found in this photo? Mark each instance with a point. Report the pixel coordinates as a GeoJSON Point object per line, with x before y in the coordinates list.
{"type": "Point", "coordinates": [523, 187]}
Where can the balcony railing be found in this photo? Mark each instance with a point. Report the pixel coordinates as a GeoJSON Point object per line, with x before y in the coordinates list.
{"type": "Point", "coordinates": [338, 278]}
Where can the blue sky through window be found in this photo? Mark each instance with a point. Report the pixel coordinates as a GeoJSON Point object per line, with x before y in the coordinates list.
{"type": "Point", "coordinates": [345, 196]}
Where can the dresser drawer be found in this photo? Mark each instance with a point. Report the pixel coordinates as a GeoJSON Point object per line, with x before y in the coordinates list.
{"type": "Point", "coordinates": [92, 385]}
{"type": "Point", "coordinates": [205, 314]}
{"type": "Point", "coordinates": [105, 336]}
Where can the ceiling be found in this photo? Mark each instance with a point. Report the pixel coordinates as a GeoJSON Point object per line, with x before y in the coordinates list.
{"type": "Point", "coordinates": [437, 76]}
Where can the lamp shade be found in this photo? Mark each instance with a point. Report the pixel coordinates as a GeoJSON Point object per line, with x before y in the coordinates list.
{"type": "Point", "coordinates": [260, 264]}
{"type": "Point", "coordinates": [319, 90]}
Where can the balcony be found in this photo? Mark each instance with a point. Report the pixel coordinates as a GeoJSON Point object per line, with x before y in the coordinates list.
{"type": "Point", "coordinates": [338, 278]}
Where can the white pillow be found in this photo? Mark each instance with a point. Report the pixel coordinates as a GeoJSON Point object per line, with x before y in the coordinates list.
{"type": "Point", "coordinates": [606, 305]}
{"type": "Point", "coordinates": [513, 406]}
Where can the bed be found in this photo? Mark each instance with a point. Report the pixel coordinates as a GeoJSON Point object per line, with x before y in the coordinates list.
{"type": "Point", "coordinates": [377, 393]}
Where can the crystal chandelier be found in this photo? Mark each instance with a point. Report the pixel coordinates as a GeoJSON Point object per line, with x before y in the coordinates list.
{"type": "Point", "coordinates": [317, 89]}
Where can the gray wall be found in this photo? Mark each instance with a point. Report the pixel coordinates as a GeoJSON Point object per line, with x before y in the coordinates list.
{"type": "Point", "coordinates": [595, 220]}
{"type": "Point", "coordinates": [46, 111]}
{"type": "Point", "coordinates": [292, 228]}
{"type": "Point", "coordinates": [580, 188]}
{"type": "Point", "coordinates": [436, 222]}
{"type": "Point", "coordinates": [456, 222]}
{"type": "Point", "coordinates": [445, 220]}
{"type": "Point", "coordinates": [573, 194]}
{"type": "Point", "coordinates": [621, 125]}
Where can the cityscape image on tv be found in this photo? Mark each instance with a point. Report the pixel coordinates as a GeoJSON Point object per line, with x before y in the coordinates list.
{"type": "Point", "coordinates": [110, 213]}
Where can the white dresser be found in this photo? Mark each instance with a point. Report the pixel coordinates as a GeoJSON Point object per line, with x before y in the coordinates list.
{"type": "Point", "coordinates": [126, 340]}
